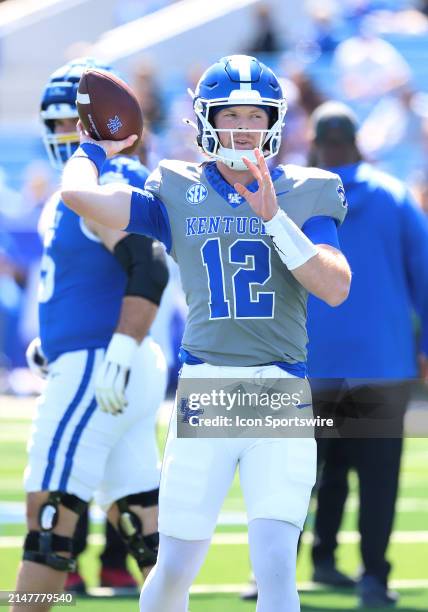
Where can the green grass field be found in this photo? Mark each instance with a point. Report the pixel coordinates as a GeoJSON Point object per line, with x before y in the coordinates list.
{"type": "Point", "coordinates": [226, 567]}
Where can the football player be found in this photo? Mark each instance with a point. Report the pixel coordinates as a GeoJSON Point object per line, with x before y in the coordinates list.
{"type": "Point", "coordinates": [95, 424]}
{"type": "Point", "coordinates": [250, 243]}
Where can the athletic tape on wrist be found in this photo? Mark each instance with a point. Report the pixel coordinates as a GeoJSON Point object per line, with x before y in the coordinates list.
{"type": "Point", "coordinates": [291, 244]}
{"type": "Point", "coordinates": [94, 152]}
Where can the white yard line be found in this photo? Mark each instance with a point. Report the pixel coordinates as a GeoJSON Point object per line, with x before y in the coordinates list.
{"type": "Point", "coordinates": [240, 539]}
{"type": "Point", "coordinates": [206, 589]}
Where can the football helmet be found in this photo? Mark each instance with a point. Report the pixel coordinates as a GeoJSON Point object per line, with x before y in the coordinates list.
{"type": "Point", "coordinates": [59, 102]}
{"type": "Point", "coordinates": [232, 81]}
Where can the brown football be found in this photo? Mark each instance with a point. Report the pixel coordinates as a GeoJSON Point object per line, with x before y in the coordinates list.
{"type": "Point", "coordinates": [108, 108]}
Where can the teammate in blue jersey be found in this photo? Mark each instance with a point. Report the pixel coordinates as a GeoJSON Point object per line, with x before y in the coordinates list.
{"type": "Point", "coordinates": [94, 430]}
{"type": "Point", "coordinates": [250, 243]}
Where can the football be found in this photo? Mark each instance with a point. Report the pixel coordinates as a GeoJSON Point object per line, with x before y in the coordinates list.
{"type": "Point", "coordinates": [108, 108]}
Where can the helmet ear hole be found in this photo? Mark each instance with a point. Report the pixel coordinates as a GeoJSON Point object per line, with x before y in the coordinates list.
{"type": "Point", "coordinates": [50, 124]}
{"type": "Point", "coordinates": [273, 117]}
{"type": "Point", "coordinates": [208, 143]}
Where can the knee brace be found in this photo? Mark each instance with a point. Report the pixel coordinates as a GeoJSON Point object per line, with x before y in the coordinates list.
{"type": "Point", "coordinates": [42, 546]}
{"type": "Point", "coordinates": [144, 548]}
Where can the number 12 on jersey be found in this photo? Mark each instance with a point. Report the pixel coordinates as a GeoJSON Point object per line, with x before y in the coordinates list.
{"type": "Point", "coordinates": [255, 255]}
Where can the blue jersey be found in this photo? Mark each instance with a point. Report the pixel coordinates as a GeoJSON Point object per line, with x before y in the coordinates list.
{"type": "Point", "coordinates": [385, 239]}
{"type": "Point", "coordinates": [82, 284]}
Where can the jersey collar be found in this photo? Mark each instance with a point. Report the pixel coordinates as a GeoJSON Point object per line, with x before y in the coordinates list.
{"type": "Point", "coordinates": [226, 191]}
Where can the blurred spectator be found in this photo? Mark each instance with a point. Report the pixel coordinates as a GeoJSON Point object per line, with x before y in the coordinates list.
{"type": "Point", "coordinates": [407, 21]}
{"type": "Point", "coordinates": [265, 38]}
{"type": "Point", "coordinates": [356, 11]}
{"type": "Point", "coordinates": [302, 98]}
{"type": "Point", "coordinates": [19, 214]}
{"type": "Point", "coordinates": [12, 282]}
{"type": "Point", "coordinates": [396, 133]}
{"type": "Point", "coordinates": [419, 189]}
{"type": "Point", "coordinates": [9, 260]}
{"type": "Point", "coordinates": [180, 136]}
{"type": "Point", "coordinates": [37, 188]}
{"type": "Point", "coordinates": [325, 25]}
{"type": "Point", "coordinates": [21, 210]}
{"type": "Point", "coordinates": [369, 67]}
{"type": "Point", "coordinates": [423, 7]}
{"type": "Point", "coordinates": [309, 95]}
{"type": "Point", "coordinates": [11, 202]}
{"type": "Point", "coordinates": [147, 90]}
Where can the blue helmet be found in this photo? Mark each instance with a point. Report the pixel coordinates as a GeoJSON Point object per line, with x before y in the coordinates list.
{"type": "Point", "coordinates": [59, 102]}
{"type": "Point", "coordinates": [233, 81]}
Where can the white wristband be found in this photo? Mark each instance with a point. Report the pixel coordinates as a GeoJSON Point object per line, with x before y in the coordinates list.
{"type": "Point", "coordinates": [291, 244]}
{"type": "Point", "coordinates": [121, 350]}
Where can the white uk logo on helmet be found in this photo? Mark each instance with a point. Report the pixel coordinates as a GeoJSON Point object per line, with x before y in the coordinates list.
{"type": "Point", "coordinates": [196, 193]}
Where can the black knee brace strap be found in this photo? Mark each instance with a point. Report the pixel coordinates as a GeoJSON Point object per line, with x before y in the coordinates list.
{"type": "Point", "coordinates": [144, 548]}
{"type": "Point", "coordinates": [42, 547]}
{"type": "Point", "coordinates": [145, 499]}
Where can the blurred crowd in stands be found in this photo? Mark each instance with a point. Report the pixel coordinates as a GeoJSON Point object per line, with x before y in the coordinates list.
{"type": "Point", "coordinates": [369, 53]}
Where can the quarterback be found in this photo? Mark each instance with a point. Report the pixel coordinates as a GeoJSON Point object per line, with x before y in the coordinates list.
{"type": "Point", "coordinates": [251, 242]}
{"type": "Point", "coordinates": [94, 429]}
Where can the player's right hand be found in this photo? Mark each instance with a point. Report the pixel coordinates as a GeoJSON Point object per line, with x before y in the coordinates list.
{"type": "Point", "coordinates": [112, 376]}
{"type": "Point", "coordinates": [36, 361]}
{"type": "Point", "coordinates": [111, 147]}
{"type": "Point", "coordinates": [263, 201]}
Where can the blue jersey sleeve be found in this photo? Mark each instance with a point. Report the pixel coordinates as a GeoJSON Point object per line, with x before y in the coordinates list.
{"type": "Point", "coordinates": [322, 230]}
{"type": "Point", "coordinates": [415, 249]}
{"type": "Point", "coordinates": [149, 217]}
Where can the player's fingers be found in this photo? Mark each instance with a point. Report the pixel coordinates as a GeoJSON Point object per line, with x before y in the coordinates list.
{"type": "Point", "coordinates": [118, 390]}
{"type": "Point", "coordinates": [83, 134]}
{"type": "Point", "coordinates": [253, 169]}
{"type": "Point", "coordinates": [261, 162]}
{"type": "Point", "coordinates": [102, 397]}
{"type": "Point", "coordinates": [104, 385]}
{"type": "Point", "coordinates": [109, 402]}
{"type": "Point", "coordinates": [99, 396]}
{"type": "Point", "coordinates": [127, 142]}
{"type": "Point", "coordinates": [243, 191]}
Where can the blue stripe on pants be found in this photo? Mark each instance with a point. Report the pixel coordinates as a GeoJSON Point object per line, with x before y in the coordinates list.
{"type": "Point", "coordinates": [66, 418]}
{"type": "Point", "coordinates": [73, 444]}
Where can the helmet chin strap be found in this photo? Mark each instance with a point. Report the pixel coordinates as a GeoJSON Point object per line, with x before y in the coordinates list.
{"type": "Point", "coordinates": [233, 157]}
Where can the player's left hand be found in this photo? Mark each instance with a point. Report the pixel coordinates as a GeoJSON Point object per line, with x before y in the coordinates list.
{"type": "Point", "coordinates": [111, 147]}
{"type": "Point", "coordinates": [113, 374]}
{"type": "Point", "coordinates": [263, 201]}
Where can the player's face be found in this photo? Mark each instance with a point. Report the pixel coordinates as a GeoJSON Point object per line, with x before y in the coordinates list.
{"type": "Point", "coordinates": [236, 120]}
{"type": "Point", "coordinates": [65, 126]}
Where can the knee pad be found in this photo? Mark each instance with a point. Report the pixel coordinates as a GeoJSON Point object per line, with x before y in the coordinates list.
{"type": "Point", "coordinates": [144, 548]}
{"type": "Point", "coordinates": [42, 546]}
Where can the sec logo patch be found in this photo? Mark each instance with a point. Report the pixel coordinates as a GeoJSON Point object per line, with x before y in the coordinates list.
{"type": "Point", "coordinates": [196, 193]}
